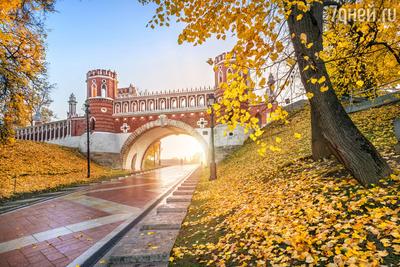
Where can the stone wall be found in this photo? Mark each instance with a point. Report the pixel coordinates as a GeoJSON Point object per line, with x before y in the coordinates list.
{"type": "Point", "coordinates": [377, 102]}
{"type": "Point", "coordinates": [223, 151]}
{"type": "Point", "coordinates": [112, 160]}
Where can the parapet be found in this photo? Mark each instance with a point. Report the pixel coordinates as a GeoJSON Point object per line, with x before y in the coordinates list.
{"type": "Point", "coordinates": [101, 72]}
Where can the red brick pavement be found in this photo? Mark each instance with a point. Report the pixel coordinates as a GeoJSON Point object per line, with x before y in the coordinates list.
{"type": "Point", "coordinates": [62, 212]}
{"type": "Point", "coordinates": [43, 217]}
{"type": "Point", "coordinates": [57, 251]}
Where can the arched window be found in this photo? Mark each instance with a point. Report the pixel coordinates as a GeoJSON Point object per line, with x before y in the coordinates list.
{"type": "Point", "coordinates": [173, 103]}
{"type": "Point", "coordinates": [117, 108]}
{"type": "Point", "coordinates": [93, 89]}
{"type": "Point", "coordinates": [125, 107]}
{"type": "Point", "coordinates": [201, 101]}
{"type": "Point", "coordinates": [151, 105]}
{"type": "Point", "coordinates": [103, 89]}
{"type": "Point", "coordinates": [92, 124]}
{"type": "Point", "coordinates": [134, 107]}
{"type": "Point", "coordinates": [183, 102]}
{"type": "Point", "coordinates": [142, 106]}
{"type": "Point", "coordinates": [192, 102]}
{"type": "Point", "coordinates": [220, 77]}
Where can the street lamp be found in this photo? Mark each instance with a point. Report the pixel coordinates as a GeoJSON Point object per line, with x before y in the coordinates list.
{"type": "Point", "coordinates": [87, 112]}
{"type": "Point", "coordinates": [213, 165]}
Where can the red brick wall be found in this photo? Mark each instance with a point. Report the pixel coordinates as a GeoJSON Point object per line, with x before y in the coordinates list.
{"type": "Point", "coordinates": [78, 126]}
{"type": "Point", "coordinates": [135, 122]}
{"type": "Point", "coordinates": [101, 110]}
{"type": "Point", "coordinates": [111, 82]}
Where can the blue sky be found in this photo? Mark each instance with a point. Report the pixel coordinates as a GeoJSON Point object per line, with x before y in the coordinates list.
{"type": "Point", "coordinates": [90, 34]}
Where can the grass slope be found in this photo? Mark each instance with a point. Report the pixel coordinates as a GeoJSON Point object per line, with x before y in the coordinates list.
{"type": "Point", "coordinates": [286, 209]}
{"type": "Point", "coordinates": [41, 166]}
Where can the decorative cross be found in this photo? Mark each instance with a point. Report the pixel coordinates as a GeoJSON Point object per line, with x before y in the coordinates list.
{"type": "Point", "coordinates": [202, 123]}
{"type": "Point", "coordinates": [125, 127]}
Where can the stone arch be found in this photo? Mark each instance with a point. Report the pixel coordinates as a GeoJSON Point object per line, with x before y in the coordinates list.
{"type": "Point", "coordinates": [201, 100]}
{"type": "Point", "coordinates": [125, 108]}
{"type": "Point", "coordinates": [162, 104]}
{"type": "Point", "coordinates": [93, 92]}
{"type": "Point", "coordinates": [117, 108]}
{"type": "Point", "coordinates": [136, 144]}
{"type": "Point", "coordinates": [142, 106]}
{"type": "Point", "coordinates": [192, 102]}
{"type": "Point", "coordinates": [174, 103]}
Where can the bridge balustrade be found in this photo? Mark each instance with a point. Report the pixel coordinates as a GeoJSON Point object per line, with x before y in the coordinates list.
{"type": "Point", "coordinates": [45, 132]}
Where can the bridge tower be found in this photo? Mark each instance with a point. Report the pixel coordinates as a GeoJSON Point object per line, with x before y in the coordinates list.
{"type": "Point", "coordinates": [220, 74]}
{"type": "Point", "coordinates": [221, 71]}
{"type": "Point", "coordinates": [101, 91]}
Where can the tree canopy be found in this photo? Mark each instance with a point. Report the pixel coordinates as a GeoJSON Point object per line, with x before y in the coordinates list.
{"type": "Point", "coordinates": [298, 36]}
{"type": "Point", "coordinates": [22, 57]}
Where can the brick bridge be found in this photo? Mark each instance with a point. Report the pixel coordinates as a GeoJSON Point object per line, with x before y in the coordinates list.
{"type": "Point", "coordinates": [126, 121]}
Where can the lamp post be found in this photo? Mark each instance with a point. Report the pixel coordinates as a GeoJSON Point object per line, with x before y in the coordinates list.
{"type": "Point", "coordinates": [213, 165]}
{"type": "Point", "coordinates": [87, 112]}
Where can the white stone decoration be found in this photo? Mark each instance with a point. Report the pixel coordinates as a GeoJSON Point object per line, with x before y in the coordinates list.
{"type": "Point", "coordinates": [125, 127]}
{"type": "Point", "coordinates": [162, 118]}
{"type": "Point", "coordinates": [103, 109]}
{"type": "Point", "coordinates": [202, 123]}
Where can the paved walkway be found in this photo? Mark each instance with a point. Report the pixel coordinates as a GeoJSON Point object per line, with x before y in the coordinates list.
{"type": "Point", "coordinates": [55, 232]}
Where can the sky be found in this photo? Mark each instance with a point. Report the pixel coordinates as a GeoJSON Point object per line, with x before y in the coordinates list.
{"type": "Point", "coordinates": [91, 34]}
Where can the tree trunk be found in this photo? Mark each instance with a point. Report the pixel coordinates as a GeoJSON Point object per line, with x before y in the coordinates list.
{"type": "Point", "coordinates": [332, 127]}
{"type": "Point", "coordinates": [319, 145]}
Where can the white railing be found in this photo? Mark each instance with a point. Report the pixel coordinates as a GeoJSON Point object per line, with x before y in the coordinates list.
{"type": "Point", "coordinates": [45, 132]}
{"type": "Point", "coordinates": [162, 111]}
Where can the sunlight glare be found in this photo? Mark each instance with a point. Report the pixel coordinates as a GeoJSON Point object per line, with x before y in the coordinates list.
{"type": "Point", "coordinates": [180, 146]}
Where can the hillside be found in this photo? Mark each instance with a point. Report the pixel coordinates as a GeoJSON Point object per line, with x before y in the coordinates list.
{"type": "Point", "coordinates": [41, 166]}
{"type": "Point", "coordinates": [285, 209]}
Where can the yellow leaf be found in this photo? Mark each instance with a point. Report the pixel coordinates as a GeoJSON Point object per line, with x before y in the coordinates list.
{"type": "Point", "coordinates": [314, 80]}
{"type": "Point", "coordinates": [291, 61]}
{"type": "Point", "coordinates": [360, 83]}
{"type": "Point", "coordinates": [383, 253]}
{"type": "Point", "coordinates": [324, 89]}
{"type": "Point", "coordinates": [303, 38]}
{"type": "Point", "coordinates": [262, 82]}
{"type": "Point", "coordinates": [278, 140]}
{"type": "Point", "coordinates": [297, 135]}
{"type": "Point", "coordinates": [309, 95]}
{"type": "Point", "coordinates": [299, 17]}
{"type": "Point", "coordinates": [322, 80]}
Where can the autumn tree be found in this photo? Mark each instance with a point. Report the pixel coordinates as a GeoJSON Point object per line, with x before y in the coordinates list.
{"type": "Point", "coordinates": [263, 30]}
{"type": "Point", "coordinates": [22, 59]}
{"type": "Point", "coordinates": [361, 53]}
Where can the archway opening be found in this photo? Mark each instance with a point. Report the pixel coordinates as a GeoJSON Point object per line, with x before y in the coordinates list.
{"type": "Point", "coordinates": [179, 144]}
{"type": "Point", "coordinates": [176, 149]}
